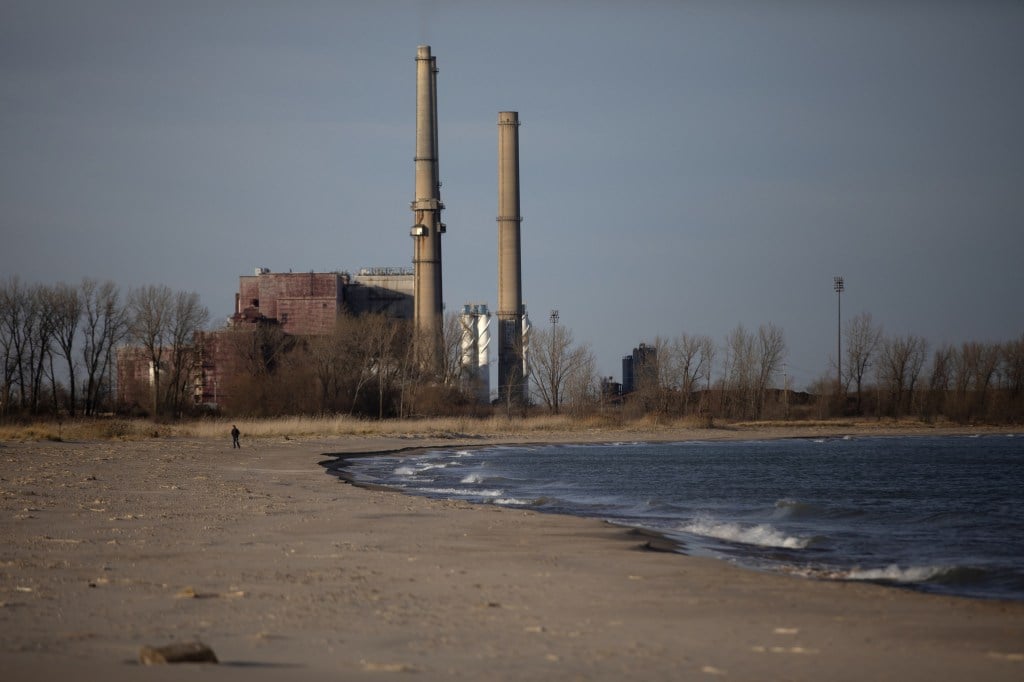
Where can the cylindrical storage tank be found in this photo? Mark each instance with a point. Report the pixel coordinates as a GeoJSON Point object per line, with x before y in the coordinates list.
{"type": "Point", "coordinates": [483, 344]}
{"type": "Point", "coordinates": [527, 329]}
{"type": "Point", "coordinates": [475, 352]}
{"type": "Point", "coordinates": [468, 342]}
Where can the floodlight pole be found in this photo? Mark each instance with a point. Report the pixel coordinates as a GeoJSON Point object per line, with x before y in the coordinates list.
{"type": "Point", "coordinates": [554, 369]}
{"type": "Point", "coordinates": [837, 283]}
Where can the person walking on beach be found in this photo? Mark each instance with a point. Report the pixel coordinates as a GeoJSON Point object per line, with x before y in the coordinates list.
{"type": "Point", "coordinates": [235, 433]}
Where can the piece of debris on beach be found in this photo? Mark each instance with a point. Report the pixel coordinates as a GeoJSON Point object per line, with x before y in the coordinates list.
{"type": "Point", "coordinates": [180, 652]}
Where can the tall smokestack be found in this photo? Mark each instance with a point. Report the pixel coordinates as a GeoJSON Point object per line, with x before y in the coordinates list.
{"type": "Point", "coordinates": [426, 208]}
{"type": "Point", "coordinates": [511, 386]}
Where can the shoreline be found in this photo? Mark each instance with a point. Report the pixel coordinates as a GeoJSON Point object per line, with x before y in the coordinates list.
{"type": "Point", "coordinates": [280, 568]}
{"type": "Point", "coordinates": [662, 541]}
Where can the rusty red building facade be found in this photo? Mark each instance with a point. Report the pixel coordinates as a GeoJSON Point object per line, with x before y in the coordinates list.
{"type": "Point", "coordinates": [297, 304]}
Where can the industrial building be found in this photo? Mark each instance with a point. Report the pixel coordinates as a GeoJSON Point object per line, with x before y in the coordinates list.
{"type": "Point", "coordinates": [295, 303]}
{"type": "Point", "coordinates": [310, 302]}
{"type": "Point", "coordinates": [300, 304]}
{"type": "Point", "coordinates": [640, 369]}
{"type": "Point", "coordinates": [303, 304]}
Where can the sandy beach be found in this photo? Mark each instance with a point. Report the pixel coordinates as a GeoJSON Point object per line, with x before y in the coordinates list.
{"type": "Point", "coordinates": [289, 573]}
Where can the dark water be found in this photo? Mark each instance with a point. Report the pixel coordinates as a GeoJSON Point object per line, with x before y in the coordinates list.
{"type": "Point", "coordinates": [936, 514]}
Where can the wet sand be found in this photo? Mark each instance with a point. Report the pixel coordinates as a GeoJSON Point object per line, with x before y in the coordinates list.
{"type": "Point", "coordinates": [288, 573]}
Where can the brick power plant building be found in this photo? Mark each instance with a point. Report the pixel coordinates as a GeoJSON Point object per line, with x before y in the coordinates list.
{"type": "Point", "coordinates": [298, 303]}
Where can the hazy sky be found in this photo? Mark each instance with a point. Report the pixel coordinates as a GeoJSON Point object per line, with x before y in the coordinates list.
{"type": "Point", "coordinates": [685, 166]}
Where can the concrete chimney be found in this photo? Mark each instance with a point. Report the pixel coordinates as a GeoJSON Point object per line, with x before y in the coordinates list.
{"type": "Point", "coordinates": [426, 208]}
{"type": "Point", "coordinates": [511, 384]}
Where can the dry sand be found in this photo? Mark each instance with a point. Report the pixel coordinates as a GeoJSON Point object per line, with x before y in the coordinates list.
{"type": "Point", "coordinates": [288, 573]}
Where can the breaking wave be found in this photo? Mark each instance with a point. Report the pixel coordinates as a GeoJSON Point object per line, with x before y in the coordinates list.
{"type": "Point", "coordinates": [898, 574]}
{"type": "Point", "coordinates": [761, 535]}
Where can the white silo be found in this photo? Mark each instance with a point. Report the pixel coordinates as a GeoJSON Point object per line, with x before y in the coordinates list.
{"type": "Point", "coordinates": [475, 346]}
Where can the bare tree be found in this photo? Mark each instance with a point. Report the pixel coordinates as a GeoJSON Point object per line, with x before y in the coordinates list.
{"type": "Point", "coordinates": [943, 360]}
{"type": "Point", "coordinates": [689, 363]}
{"type": "Point", "coordinates": [328, 360]}
{"type": "Point", "coordinates": [899, 369]}
{"type": "Point", "coordinates": [751, 364]}
{"type": "Point", "coordinates": [1012, 371]}
{"type": "Point", "coordinates": [582, 386]}
{"type": "Point", "coordinates": [975, 366]}
{"type": "Point", "coordinates": [381, 335]}
{"type": "Point", "coordinates": [104, 326]}
{"type": "Point", "coordinates": [451, 345]}
{"type": "Point", "coordinates": [771, 352]}
{"type": "Point", "coordinates": [9, 334]}
{"type": "Point", "coordinates": [188, 317]}
{"type": "Point", "coordinates": [739, 372]}
{"type": "Point", "coordinates": [163, 323]}
{"type": "Point", "coordinates": [21, 323]}
{"type": "Point", "coordinates": [66, 303]}
{"type": "Point", "coordinates": [862, 339]}
{"type": "Point", "coordinates": [554, 361]}
{"type": "Point", "coordinates": [150, 315]}
{"type": "Point", "coordinates": [38, 335]}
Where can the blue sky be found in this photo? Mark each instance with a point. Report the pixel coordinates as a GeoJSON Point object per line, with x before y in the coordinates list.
{"type": "Point", "coordinates": [685, 166]}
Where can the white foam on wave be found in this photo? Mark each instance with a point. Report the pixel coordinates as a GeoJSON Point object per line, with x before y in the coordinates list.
{"type": "Point", "coordinates": [416, 469]}
{"type": "Point", "coordinates": [512, 502]}
{"type": "Point", "coordinates": [428, 467]}
{"type": "Point", "coordinates": [472, 478]}
{"type": "Point", "coordinates": [441, 491]}
{"type": "Point", "coordinates": [461, 492]}
{"type": "Point", "coordinates": [762, 535]}
{"type": "Point", "coordinates": [896, 573]}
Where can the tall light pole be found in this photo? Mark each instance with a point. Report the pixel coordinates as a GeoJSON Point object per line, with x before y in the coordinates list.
{"type": "Point", "coordinates": [837, 283]}
{"type": "Point", "coordinates": [554, 361]}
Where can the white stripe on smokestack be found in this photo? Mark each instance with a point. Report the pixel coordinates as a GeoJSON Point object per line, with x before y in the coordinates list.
{"type": "Point", "coordinates": [426, 207]}
{"type": "Point", "coordinates": [510, 290]}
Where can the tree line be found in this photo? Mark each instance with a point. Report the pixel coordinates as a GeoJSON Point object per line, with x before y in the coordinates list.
{"type": "Point", "coordinates": [743, 378]}
{"type": "Point", "coordinates": [367, 365]}
{"type": "Point", "coordinates": [60, 346]}
{"type": "Point", "coordinates": [969, 382]}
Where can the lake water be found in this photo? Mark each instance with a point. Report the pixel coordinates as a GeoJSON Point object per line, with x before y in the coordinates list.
{"type": "Point", "coordinates": [936, 514]}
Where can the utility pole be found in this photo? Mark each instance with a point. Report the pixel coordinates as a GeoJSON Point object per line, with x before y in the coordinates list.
{"type": "Point", "coordinates": [555, 369]}
{"type": "Point", "coordinates": [785, 388]}
{"type": "Point", "coordinates": [837, 283]}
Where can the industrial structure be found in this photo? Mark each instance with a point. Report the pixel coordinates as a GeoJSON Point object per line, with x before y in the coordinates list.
{"type": "Point", "coordinates": [475, 347]}
{"type": "Point", "coordinates": [511, 341]}
{"type": "Point", "coordinates": [309, 303]}
{"type": "Point", "coordinates": [296, 304]}
{"type": "Point", "coordinates": [306, 303]}
{"type": "Point", "coordinates": [640, 369]}
{"type": "Point", "coordinates": [426, 207]}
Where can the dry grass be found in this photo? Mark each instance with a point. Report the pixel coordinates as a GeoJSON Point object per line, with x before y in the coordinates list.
{"type": "Point", "coordinates": [304, 427]}
{"type": "Point", "coordinates": [498, 426]}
